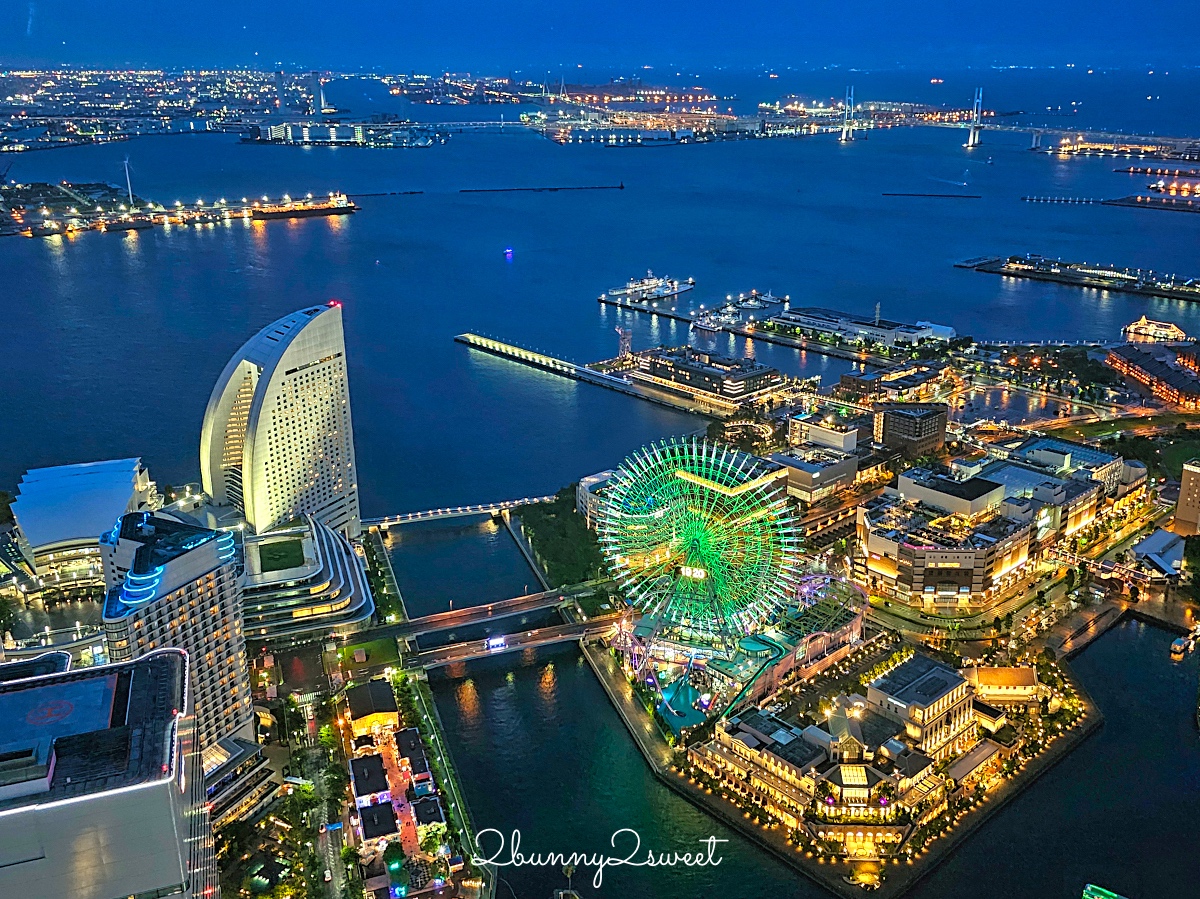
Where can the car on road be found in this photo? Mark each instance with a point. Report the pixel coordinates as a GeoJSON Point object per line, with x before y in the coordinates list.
{"type": "Point", "coordinates": [322, 828]}
{"type": "Point", "coordinates": [328, 875]}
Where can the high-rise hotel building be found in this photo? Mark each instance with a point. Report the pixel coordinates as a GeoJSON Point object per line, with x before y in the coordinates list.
{"type": "Point", "coordinates": [277, 441]}
{"type": "Point", "coordinates": [173, 584]}
{"type": "Point", "coordinates": [101, 795]}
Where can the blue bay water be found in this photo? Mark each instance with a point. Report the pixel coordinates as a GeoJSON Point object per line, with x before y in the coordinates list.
{"type": "Point", "coordinates": [110, 346]}
{"type": "Point", "coordinates": [111, 343]}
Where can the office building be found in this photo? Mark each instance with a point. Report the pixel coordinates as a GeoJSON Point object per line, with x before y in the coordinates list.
{"type": "Point", "coordinates": [102, 796]}
{"type": "Point", "coordinates": [816, 472]}
{"type": "Point", "coordinates": [302, 583]}
{"type": "Point", "coordinates": [833, 431]}
{"type": "Point", "coordinates": [278, 441]}
{"type": "Point", "coordinates": [916, 429]}
{"type": "Point", "coordinates": [61, 512]}
{"type": "Point", "coordinates": [1187, 510]}
{"type": "Point", "coordinates": [177, 584]}
{"type": "Point", "coordinates": [589, 494]}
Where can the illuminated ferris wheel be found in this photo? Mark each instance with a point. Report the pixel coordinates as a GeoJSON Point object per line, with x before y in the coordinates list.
{"type": "Point", "coordinates": [702, 540]}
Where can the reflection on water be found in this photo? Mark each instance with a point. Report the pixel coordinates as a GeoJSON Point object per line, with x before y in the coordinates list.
{"type": "Point", "coordinates": [542, 750]}
{"type": "Point", "coordinates": [456, 563]}
{"type": "Point", "coordinates": [35, 617]}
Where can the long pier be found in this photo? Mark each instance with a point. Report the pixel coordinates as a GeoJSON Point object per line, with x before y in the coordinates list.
{"type": "Point", "coordinates": [581, 373]}
{"type": "Point", "coordinates": [753, 333]}
{"type": "Point", "coordinates": [1085, 275]}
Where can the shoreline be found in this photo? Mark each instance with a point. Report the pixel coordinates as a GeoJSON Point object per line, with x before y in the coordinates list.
{"type": "Point", "coordinates": [774, 840]}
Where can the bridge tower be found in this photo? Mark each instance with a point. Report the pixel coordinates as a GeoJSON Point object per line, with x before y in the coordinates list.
{"type": "Point", "coordinates": [625, 343]}
{"type": "Point", "coordinates": [974, 134]}
{"type": "Point", "coordinates": [1036, 142]}
{"type": "Point", "coordinates": [848, 116]}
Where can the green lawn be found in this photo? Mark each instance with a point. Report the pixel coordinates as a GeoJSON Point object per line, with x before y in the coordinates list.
{"type": "Point", "coordinates": [1176, 452]}
{"type": "Point", "coordinates": [1106, 428]}
{"type": "Point", "coordinates": [281, 554]}
{"type": "Point", "coordinates": [379, 652]}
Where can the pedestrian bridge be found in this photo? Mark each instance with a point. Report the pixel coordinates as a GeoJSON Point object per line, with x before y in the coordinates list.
{"type": "Point", "coordinates": [455, 512]}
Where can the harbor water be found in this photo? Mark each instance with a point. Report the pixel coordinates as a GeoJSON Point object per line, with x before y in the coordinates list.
{"type": "Point", "coordinates": [111, 345]}
{"type": "Point", "coordinates": [115, 341]}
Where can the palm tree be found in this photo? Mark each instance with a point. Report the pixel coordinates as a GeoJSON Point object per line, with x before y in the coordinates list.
{"type": "Point", "coordinates": [568, 872]}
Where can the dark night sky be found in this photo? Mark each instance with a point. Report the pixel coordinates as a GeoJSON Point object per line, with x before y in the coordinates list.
{"type": "Point", "coordinates": [500, 35]}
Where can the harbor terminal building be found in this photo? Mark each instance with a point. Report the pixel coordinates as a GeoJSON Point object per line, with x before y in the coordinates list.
{"type": "Point", "coordinates": [61, 511]}
{"type": "Point", "coordinates": [277, 441]}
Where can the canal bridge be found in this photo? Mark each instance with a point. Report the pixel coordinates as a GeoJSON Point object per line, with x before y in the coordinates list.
{"type": "Point", "coordinates": [454, 512]}
{"type": "Point", "coordinates": [479, 649]}
{"type": "Point", "coordinates": [455, 618]}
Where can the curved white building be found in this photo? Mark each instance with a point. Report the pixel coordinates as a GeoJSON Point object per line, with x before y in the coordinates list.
{"type": "Point", "coordinates": [277, 441]}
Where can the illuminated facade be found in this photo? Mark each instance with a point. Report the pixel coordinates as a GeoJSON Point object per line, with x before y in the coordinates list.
{"type": "Point", "coordinates": [326, 593]}
{"type": "Point", "coordinates": [931, 547]}
{"type": "Point", "coordinates": [175, 584]}
{"type": "Point", "coordinates": [61, 511]}
{"type": "Point", "coordinates": [278, 441]}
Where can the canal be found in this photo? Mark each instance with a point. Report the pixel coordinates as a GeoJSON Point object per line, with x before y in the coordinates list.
{"type": "Point", "coordinates": [542, 751]}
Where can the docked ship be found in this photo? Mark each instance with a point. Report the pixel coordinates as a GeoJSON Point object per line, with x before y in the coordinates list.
{"type": "Point", "coordinates": [336, 204]}
{"type": "Point", "coordinates": [651, 288]}
{"type": "Point", "coordinates": [707, 323]}
{"type": "Point", "coordinates": [47, 228]}
{"type": "Point", "coordinates": [129, 224]}
{"type": "Point", "coordinates": [1149, 331]}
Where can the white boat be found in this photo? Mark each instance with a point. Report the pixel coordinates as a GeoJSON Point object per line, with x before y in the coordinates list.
{"type": "Point", "coordinates": [651, 288]}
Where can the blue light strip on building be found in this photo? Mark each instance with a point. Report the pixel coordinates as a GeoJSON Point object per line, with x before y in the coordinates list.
{"type": "Point", "coordinates": [226, 548]}
{"type": "Point", "coordinates": [140, 589]}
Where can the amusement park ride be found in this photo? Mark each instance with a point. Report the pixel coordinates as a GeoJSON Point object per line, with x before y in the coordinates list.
{"type": "Point", "coordinates": [706, 547]}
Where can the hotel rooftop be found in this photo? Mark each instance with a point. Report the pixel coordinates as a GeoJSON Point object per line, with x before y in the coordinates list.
{"type": "Point", "coordinates": [92, 730]}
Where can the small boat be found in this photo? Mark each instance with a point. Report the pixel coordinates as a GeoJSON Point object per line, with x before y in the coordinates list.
{"type": "Point", "coordinates": [1179, 648]}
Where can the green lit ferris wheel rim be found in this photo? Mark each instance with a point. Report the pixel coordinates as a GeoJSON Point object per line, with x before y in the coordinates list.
{"type": "Point", "coordinates": [702, 536]}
